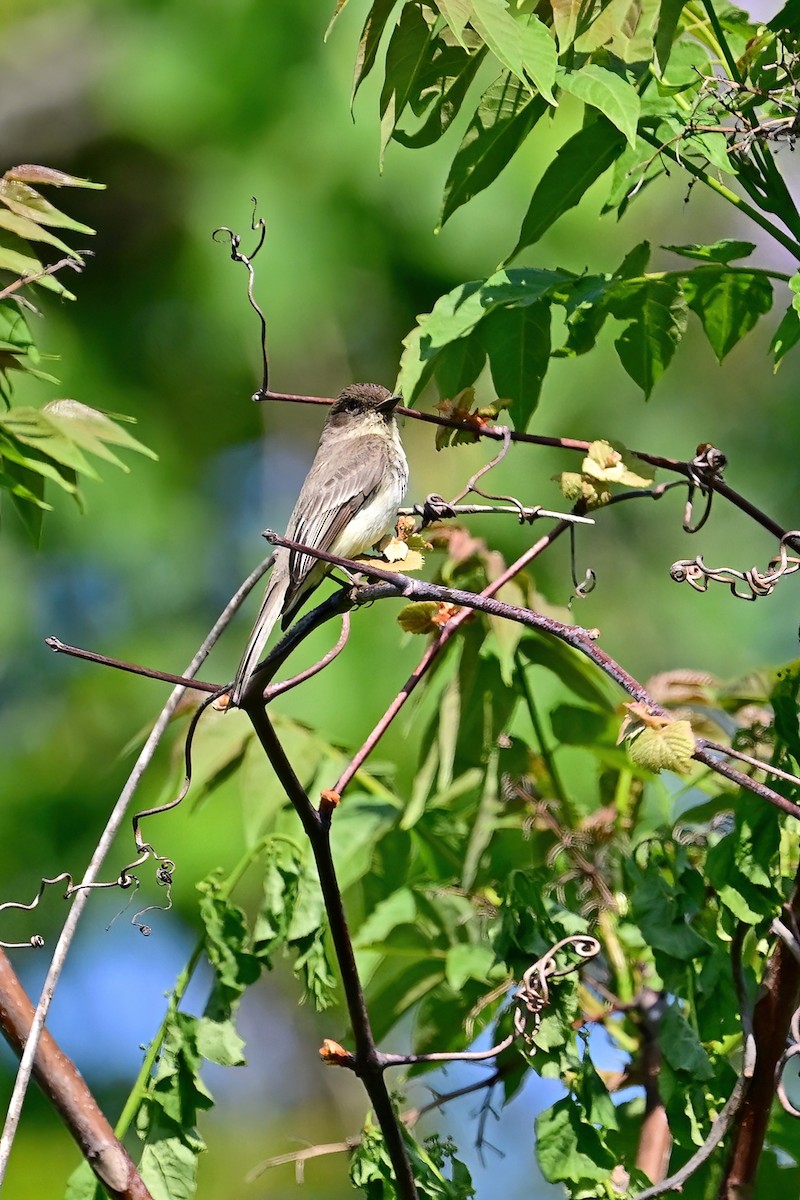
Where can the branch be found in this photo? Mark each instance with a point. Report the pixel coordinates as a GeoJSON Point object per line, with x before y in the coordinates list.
{"type": "Point", "coordinates": [66, 1090]}
{"type": "Point", "coordinates": [578, 445]}
{"type": "Point", "coordinates": [103, 846]}
{"type": "Point", "coordinates": [367, 1063]}
{"type": "Point", "coordinates": [393, 585]}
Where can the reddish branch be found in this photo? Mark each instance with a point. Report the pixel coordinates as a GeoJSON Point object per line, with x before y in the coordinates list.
{"type": "Point", "coordinates": [64, 1086]}
{"type": "Point", "coordinates": [780, 995]}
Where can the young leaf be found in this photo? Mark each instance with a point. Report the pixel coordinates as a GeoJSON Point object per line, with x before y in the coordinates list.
{"type": "Point", "coordinates": [579, 162]}
{"type": "Point", "coordinates": [609, 93]}
{"type": "Point", "coordinates": [786, 336]}
{"type": "Point", "coordinates": [26, 202]}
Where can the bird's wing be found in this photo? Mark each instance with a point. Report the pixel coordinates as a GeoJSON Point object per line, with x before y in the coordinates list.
{"type": "Point", "coordinates": [331, 495]}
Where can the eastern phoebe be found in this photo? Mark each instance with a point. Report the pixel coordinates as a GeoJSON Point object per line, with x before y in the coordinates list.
{"type": "Point", "coordinates": [348, 502]}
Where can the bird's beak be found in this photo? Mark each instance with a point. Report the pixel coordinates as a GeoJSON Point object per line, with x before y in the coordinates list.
{"type": "Point", "coordinates": [388, 405]}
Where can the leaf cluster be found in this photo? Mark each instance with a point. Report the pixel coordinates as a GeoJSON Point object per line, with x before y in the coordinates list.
{"type": "Point", "coordinates": [51, 444]}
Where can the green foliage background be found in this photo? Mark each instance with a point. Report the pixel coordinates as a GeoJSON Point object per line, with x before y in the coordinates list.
{"type": "Point", "coordinates": [185, 110]}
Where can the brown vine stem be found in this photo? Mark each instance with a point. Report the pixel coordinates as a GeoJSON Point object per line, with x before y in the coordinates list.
{"type": "Point", "coordinates": [367, 1061]}
{"type": "Point", "coordinates": [558, 443]}
{"type": "Point", "coordinates": [66, 1090]}
{"type": "Point", "coordinates": [103, 846]}
{"type": "Point", "coordinates": [394, 585]}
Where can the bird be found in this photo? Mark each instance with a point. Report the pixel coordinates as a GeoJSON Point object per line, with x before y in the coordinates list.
{"type": "Point", "coordinates": [348, 501]}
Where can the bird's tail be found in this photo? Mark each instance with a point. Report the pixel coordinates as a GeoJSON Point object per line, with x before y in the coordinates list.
{"type": "Point", "coordinates": [268, 616]}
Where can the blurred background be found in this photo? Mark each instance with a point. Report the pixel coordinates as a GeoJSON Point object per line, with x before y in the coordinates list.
{"type": "Point", "coordinates": [185, 109]}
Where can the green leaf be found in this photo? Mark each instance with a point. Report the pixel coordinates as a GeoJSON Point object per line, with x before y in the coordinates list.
{"type": "Point", "coordinates": [505, 116]}
{"type": "Point", "coordinates": [669, 12]}
{"type": "Point", "coordinates": [539, 56]}
{"type": "Point", "coordinates": [681, 1046]}
{"type": "Point", "coordinates": [565, 21]}
{"type": "Point", "coordinates": [568, 1149]}
{"type": "Point", "coordinates": [25, 266]}
{"type": "Point", "coordinates": [579, 162]}
{"type": "Point", "coordinates": [575, 726]}
{"type": "Point", "coordinates": [441, 86]}
{"type": "Point", "coordinates": [783, 699]}
{"type": "Point", "coordinates": [93, 430]}
{"type": "Point", "coordinates": [502, 34]}
{"type": "Point", "coordinates": [457, 13]}
{"type": "Point", "coordinates": [467, 961]}
{"type": "Point", "coordinates": [219, 1042]}
{"type": "Point", "coordinates": [227, 943]}
{"type": "Point", "coordinates": [168, 1168]}
{"type": "Point", "coordinates": [456, 314]}
{"type": "Point", "coordinates": [725, 251]}
{"type": "Point", "coordinates": [646, 346]}
{"type": "Point", "coordinates": [23, 227]}
{"type": "Point", "coordinates": [405, 60]}
{"type": "Point", "coordinates": [517, 342]}
{"type": "Point", "coordinates": [82, 1184]}
{"type": "Point", "coordinates": [369, 41]}
{"type": "Point", "coordinates": [572, 669]}
{"type": "Point", "coordinates": [15, 336]}
{"type": "Point", "coordinates": [728, 303]}
{"type": "Point", "coordinates": [786, 336]}
{"type": "Point", "coordinates": [26, 488]}
{"type": "Point", "coordinates": [458, 365]}
{"type": "Point", "coordinates": [26, 202]}
{"type": "Point", "coordinates": [359, 825]}
{"type": "Point", "coordinates": [609, 93]}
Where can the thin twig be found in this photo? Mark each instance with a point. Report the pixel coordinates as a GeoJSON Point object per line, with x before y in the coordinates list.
{"type": "Point", "coordinates": [526, 512]}
{"type": "Point", "coordinates": [76, 264]}
{"type": "Point", "coordinates": [184, 681]}
{"type": "Point", "coordinates": [277, 689]}
{"type": "Point", "coordinates": [729, 752]}
{"type": "Point", "coordinates": [103, 846]}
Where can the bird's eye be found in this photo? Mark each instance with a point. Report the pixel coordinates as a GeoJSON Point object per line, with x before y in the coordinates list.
{"type": "Point", "coordinates": [351, 406]}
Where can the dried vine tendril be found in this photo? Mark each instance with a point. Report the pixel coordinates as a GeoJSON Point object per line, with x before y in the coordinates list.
{"type": "Point", "coordinates": [758, 583]}
{"type": "Point", "coordinates": [533, 994]}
